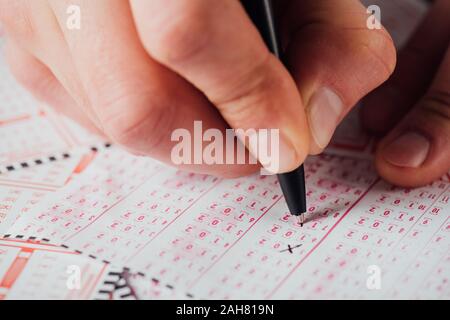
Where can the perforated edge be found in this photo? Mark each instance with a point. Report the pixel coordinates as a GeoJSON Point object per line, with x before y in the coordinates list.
{"type": "Point", "coordinates": [50, 158]}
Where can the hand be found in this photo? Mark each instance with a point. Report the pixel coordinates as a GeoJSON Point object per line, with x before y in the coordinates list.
{"type": "Point", "coordinates": [138, 69]}
{"type": "Point", "coordinates": [412, 109]}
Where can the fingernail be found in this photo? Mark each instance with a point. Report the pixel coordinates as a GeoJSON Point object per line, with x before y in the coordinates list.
{"type": "Point", "coordinates": [287, 159]}
{"type": "Point", "coordinates": [408, 150]}
{"type": "Point", "coordinates": [274, 152]}
{"type": "Point", "coordinates": [324, 111]}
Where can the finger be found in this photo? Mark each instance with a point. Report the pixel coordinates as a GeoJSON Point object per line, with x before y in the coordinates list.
{"type": "Point", "coordinates": [417, 64]}
{"type": "Point", "coordinates": [33, 26]}
{"type": "Point", "coordinates": [335, 60]}
{"type": "Point", "coordinates": [139, 102]}
{"type": "Point", "coordinates": [218, 49]}
{"type": "Point", "coordinates": [417, 151]}
{"type": "Point", "coordinates": [40, 81]}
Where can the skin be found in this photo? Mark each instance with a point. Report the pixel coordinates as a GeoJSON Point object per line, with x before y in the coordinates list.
{"type": "Point", "coordinates": [416, 99]}
{"type": "Point", "coordinates": [139, 69]}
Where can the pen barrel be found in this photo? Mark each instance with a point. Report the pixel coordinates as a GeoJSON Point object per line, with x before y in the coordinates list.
{"type": "Point", "coordinates": [292, 183]}
{"type": "Point", "coordinates": [293, 187]}
{"type": "Point", "coordinates": [261, 14]}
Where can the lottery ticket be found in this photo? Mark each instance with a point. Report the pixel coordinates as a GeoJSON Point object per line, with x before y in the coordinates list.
{"type": "Point", "coordinates": [34, 269]}
{"type": "Point", "coordinates": [178, 235]}
{"type": "Point", "coordinates": [209, 237]}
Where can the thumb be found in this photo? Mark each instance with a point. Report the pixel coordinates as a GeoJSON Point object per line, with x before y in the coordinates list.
{"type": "Point", "coordinates": [417, 151]}
{"type": "Point", "coordinates": [336, 60]}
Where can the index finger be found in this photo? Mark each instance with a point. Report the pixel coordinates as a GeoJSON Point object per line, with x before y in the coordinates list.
{"type": "Point", "coordinates": [217, 48]}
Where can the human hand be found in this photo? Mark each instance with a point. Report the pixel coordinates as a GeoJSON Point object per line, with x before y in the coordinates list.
{"type": "Point", "coordinates": [412, 110]}
{"type": "Point", "coordinates": [137, 70]}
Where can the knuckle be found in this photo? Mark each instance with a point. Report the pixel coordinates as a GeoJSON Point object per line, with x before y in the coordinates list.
{"type": "Point", "coordinates": [437, 103]}
{"type": "Point", "coordinates": [30, 75]}
{"type": "Point", "coordinates": [133, 119]}
{"type": "Point", "coordinates": [256, 87]}
{"type": "Point", "coordinates": [17, 18]}
{"type": "Point", "coordinates": [380, 51]}
{"type": "Point", "coordinates": [181, 40]}
{"type": "Point", "coordinates": [30, 78]}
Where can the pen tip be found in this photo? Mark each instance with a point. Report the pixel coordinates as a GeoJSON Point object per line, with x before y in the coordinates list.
{"type": "Point", "coordinates": [301, 219]}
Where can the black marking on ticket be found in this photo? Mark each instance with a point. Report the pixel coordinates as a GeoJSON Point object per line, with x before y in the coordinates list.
{"type": "Point", "coordinates": [290, 248]}
{"type": "Point", "coordinates": [108, 287]}
{"type": "Point", "coordinates": [48, 159]}
{"type": "Point", "coordinates": [23, 237]}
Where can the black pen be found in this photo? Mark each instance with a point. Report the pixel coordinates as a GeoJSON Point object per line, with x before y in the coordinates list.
{"type": "Point", "coordinates": [292, 183]}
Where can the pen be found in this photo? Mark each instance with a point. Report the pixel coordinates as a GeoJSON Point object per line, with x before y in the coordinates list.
{"type": "Point", "coordinates": [292, 183]}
